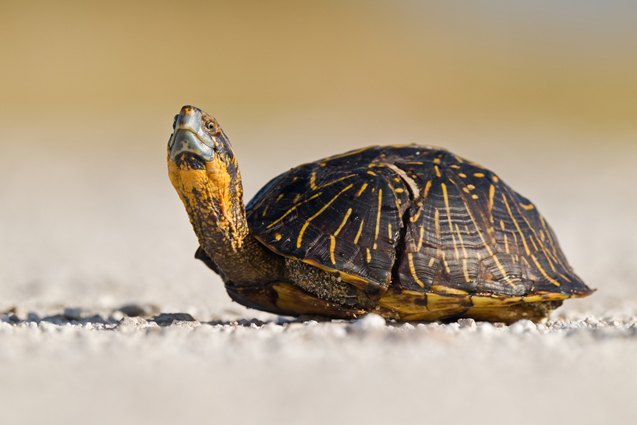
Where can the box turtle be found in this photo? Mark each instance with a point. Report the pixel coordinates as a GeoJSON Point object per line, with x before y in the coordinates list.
{"type": "Point", "coordinates": [407, 232]}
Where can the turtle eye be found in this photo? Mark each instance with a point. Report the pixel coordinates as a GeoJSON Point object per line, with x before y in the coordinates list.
{"type": "Point", "coordinates": [211, 126]}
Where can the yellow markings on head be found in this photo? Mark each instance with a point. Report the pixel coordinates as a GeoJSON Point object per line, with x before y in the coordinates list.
{"type": "Point", "coordinates": [390, 235]}
{"type": "Point", "coordinates": [470, 187]}
{"type": "Point", "coordinates": [340, 227]}
{"type": "Point", "coordinates": [399, 190]}
{"type": "Point", "coordinates": [265, 210]}
{"type": "Point", "coordinates": [502, 226]}
{"type": "Point", "coordinates": [437, 171]}
{"type": "Point", "coordinates": [543, 272]}
{"type": "Point", "coordinates": [220, 183]}
{"type": "Point", "coordinates": [360, 231]}
{"type": "Point", "coordinates": [332, 248]}
{"type": "Point", "coordinates": [368, 255]}
{"type": "Point", "coordinates": [436, 160]}
{"type": "Point", "coordinates": [412, 270]}
{"type": "Point", "coordinates": [527, 207]}
{"type": "Point", "coordinates": [432, 261]}
{"type": "Point", "coordinates": [495, 179]}
{"type": "Point", "coordinates": [491, 195]}
{"type": "Point", "coordinates": [277, 236]}
{"type": "Point", "coordinates": [463, 175]}
{"type": "Point", "coordinates": [414, 162]}
{"type": "Point", "coordinates": [420, 238]}
{"type": "Point", "coordinates": [296, 198]}
{"type": "Point", "coordinates": [278, 198]}
{"type": "Point", "coordinates": [378, 212]}
{"type": "Point", "coordinates": [361, 190]}
{"type": "Point", "coordinates": [531, 238]}
{"type": "Point", "coordinates": [478, 175]}
{"type": "Point", "coordinates": [506, 244]}
{"type": "Point", "coordinates": [455, 166]}
{"type": "Point", "coordinates": [466, 190]}
{"type": "Point", "coordinates": [371, 173]}
{"type": "Point", "coordinates": [299, 240]}
{"type": "Point", "coordinates": [313, 180]}
{"type": "Point", "coordinates": [542, 235]}
{"type": "Point", "coordinates": [396, 179]}
{"type": "Point", "coordinates": [190, 184]}
{"type": "Point", "coordinates": [294, 207]}
{"type": "Point", "coordinates": [516, 224]}
{"type": "Point", "coordinates": [207, 193]}
{"type": "Point", "coordinates": [474, 196]}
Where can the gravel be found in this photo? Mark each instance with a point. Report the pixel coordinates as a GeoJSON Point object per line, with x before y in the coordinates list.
{"type": "Point", "coordinates": [173, 367]}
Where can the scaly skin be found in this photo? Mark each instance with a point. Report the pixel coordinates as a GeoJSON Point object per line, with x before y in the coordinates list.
{"type": "Point", "coordinates": [203, 170]}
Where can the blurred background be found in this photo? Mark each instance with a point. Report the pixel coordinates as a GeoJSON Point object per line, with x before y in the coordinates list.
{"type": "Point", "coordinates": [542, 92]}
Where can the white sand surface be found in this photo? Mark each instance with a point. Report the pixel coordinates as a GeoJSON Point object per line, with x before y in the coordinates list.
{"type": "Point", "coordinates": [109, 368]}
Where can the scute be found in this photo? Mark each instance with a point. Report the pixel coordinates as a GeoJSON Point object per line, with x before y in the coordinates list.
{"type": "Point", "coordinates": [416, 218]}
{"type": "Point", "coordinates": [342, 214]}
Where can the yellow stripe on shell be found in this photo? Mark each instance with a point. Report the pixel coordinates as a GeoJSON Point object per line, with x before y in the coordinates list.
{"type": "Point", "coordinates": [299, 240]}
{"type": "Point", "coordinates": [294, 207]}
{"type": "Point", "coordinates": [332, 248]}
{"type": "Point", "coordinates": [412, 270]}
{"type": "Point", "coordinates": [340, 227]}
{"type": "Point", "coordinates": [361, 190]}
{"type": "Point", "coordinates": [380, 202]}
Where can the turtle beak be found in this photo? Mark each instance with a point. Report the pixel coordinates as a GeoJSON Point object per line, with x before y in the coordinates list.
{"type": "Point", "coordinates": [189, 136]}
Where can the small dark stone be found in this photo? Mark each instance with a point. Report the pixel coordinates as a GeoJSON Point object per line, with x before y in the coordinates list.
{"type": "Point", "coordinates": [132, 310]}
{"type": "Point", "coordinates": [166, 319]}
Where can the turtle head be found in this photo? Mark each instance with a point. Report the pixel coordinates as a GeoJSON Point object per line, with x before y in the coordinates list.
{"type": "Point", "coordinates": [196, 138]}
{"type": "Point", "coordinates": [204, 171]}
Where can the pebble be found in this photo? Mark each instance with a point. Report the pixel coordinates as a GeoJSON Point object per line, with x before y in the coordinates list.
{"type": "Point", "coordinates": [371, 321]}
{"type": "Point", "coordinates": [73, 313]}
{"type": "Point", "coordinates": [132, 310]}
{"type": "Point", "coordinates": [166, 319]}
{"type": "Point", "coordinates": [523, 326]}
{"type": "Point", "coordinates": [467, 323]}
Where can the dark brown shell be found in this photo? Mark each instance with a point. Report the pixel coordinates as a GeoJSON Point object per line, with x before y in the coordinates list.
{"type": "Point", "coordinates": [417, 218]}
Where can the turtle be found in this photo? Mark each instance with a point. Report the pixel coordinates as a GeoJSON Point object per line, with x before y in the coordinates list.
{"type": "Point", "coordinates": [408, 232]}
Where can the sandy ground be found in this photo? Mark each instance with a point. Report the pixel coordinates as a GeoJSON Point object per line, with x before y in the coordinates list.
{"type": "Point", "coordinates": [80, 242]}
{"type": "Point", "coordinates": [107, 367]}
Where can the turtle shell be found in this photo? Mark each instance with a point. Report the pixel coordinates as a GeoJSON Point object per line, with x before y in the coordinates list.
{"type": "Point", "coordinates": [416, 218]}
